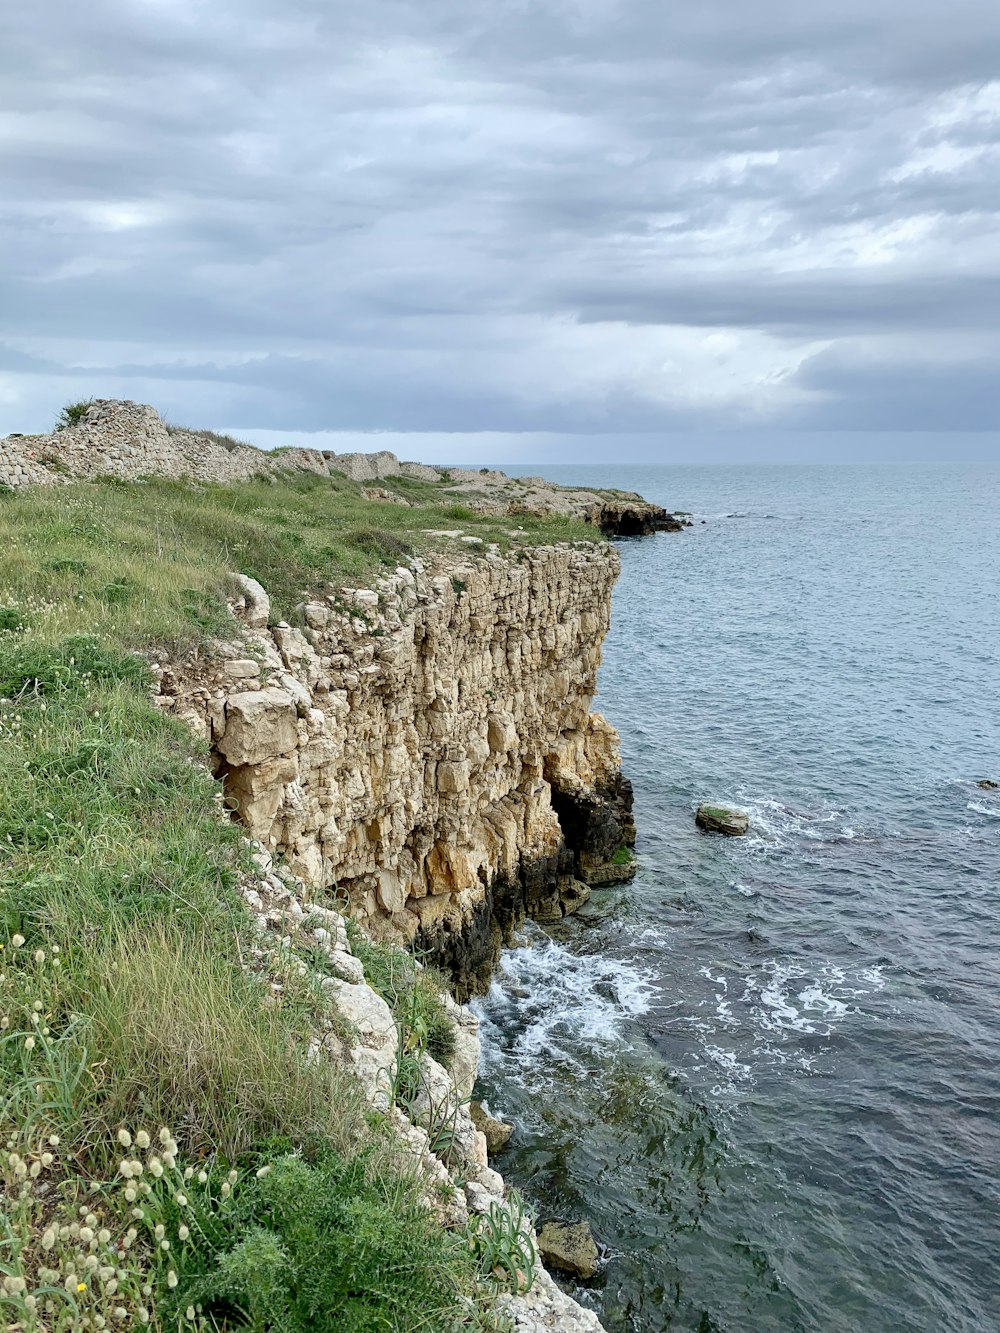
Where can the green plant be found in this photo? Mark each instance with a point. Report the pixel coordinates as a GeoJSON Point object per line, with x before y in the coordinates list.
{"type": "Point", "coordinates": [624, 856]}
{"type": "Point", "coordinates": [73, 413]}
{"type": "Point", "coordinates": [458, 586]}
{"type": "Point", "coordinates": [303, 1244]}
{"type": "Point", "coordinates": [413, 994]}
{"type": "Point", "coordinates": [501, 1241]}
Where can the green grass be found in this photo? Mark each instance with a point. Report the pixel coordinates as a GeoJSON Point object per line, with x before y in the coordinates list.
{"type": "Point", "coordinates": [132, 991]}
{"type": "Point", "coordinates": [149, 563]}
{"type": "Point", "coordinates": [413, 994]}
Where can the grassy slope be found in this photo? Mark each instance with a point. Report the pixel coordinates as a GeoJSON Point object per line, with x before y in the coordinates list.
{"type": "Point", "coordinates": [125, 1003]}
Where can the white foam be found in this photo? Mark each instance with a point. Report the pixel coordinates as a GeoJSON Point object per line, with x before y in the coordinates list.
{"type": "Point", "coordinates": [549, 1006]}
{"type": "Point", "coordinates": [981, 809]}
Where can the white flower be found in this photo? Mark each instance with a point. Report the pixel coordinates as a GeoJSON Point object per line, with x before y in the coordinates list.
{"type": "Point", "coordinates": [183, 1232]}
{"type": "Point", "coordinates": [171, 1279]}
{"type": "Point", "coordinates": [17, 941]}
{"type": "Point", "coordinates": [29, 1043]}
{"type": "Point", "coordinates": [39, 955]}
{"type": "Point", "coordinates": [263, 1171]}
{"type": "Point", "coordinates": [165, 1136]}
{"type": "Point", "coordinates": [142, 1139]}
{"type": "Point", "coordinates": [125, 1138]}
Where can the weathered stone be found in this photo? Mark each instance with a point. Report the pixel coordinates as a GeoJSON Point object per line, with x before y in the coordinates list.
{"type": "Point", "coordinates": [257, 604]}
{"type": "Point", "coordinates": [496, 1132]}
{"type": "Point", "coordinates": [722, 819]}
{"type": "Point", "coordinates": [260, 724]}
{"type": "Point", "coordinates": [988, 784]}
{"type": "Point", "coordinates": [569, 1247]}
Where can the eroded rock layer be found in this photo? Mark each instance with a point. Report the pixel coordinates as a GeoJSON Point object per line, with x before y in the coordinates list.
{"type": "Point", "coordinates": [425, 749]}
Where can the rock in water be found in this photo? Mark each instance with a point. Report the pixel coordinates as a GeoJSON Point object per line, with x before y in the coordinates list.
{"type": "Point", "coordinates": [497, 1132]}
{"type": "Point", "coordinates": [568, 1246]}
{"type": "Point", "coordinates": [722, 819]}
{"type": "Point", "coordinates": [988, 784]}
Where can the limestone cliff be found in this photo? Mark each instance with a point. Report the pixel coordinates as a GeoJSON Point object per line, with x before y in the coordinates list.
{"type": "Point", "coordinates": [425, 749]}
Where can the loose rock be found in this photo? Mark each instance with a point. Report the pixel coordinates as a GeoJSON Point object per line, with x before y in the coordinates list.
{"type": "Point", "coordinates": [570, 1247]}
{"type": "Point", "coordinates": [722, 819]}
{"type": "Point", "coordinates": [497, 1132]}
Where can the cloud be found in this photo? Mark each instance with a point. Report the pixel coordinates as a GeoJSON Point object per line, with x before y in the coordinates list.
{"type": "Point", "coordinates": [579, 216]}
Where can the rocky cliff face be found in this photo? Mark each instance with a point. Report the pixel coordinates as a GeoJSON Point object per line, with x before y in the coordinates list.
{"type": "Point", "coordinates": [425, 749]}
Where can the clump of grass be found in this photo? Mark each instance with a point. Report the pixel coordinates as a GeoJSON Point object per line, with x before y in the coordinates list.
{"type": "Point", "coordinates": [413, 994]}
{"type": "Point", "coordinates": [624, 856]}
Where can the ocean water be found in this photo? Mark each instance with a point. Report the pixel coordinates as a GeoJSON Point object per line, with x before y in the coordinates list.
{"type": "Point", "coordinates": [768, 1071]}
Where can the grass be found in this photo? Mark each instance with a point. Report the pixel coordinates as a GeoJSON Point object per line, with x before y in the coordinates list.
{"type": "Point", "coordinates": [147, 563]}
{"type": "Point", "coordinates": [132, 991]}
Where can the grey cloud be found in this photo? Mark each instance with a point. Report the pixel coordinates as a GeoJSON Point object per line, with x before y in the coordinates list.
{"type": "Point", "coordinates": [385, 216]}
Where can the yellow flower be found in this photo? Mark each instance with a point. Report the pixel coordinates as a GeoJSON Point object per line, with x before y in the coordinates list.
{"type": "Point", "coordinates": [81, 1286]}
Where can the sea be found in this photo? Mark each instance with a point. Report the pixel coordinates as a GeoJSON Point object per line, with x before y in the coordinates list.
{"type": "Point", "coordinates": [767, 1071]}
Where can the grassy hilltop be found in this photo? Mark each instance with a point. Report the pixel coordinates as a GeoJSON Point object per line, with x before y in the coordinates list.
{"type": "Point", "coordinates": [173, 1159]}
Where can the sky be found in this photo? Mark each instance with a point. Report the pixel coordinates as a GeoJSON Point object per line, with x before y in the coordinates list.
{"type": "Point", "coordinates": [576, 230]}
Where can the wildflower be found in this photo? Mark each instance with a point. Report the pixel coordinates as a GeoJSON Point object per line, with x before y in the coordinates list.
{"type": "Point", "coordinates": [142, 1139]}
{"type": "Point", "coordinates": [54, 1140]}
{"type": "Point", "coordinates": [131, 1195]}
{"type": "Point", "coordinates": [263, 1171]}
{"type": "Point", "coordinates": [125, 1138]}
{"type": "Point", "coordinates": [111, 1286]}
{"type": "Point", "coordinates": [189, 1313]}
{"type": "Point", "coordinates": [159, 1231]}
{"type": "Point", "coordinates": [47, 1159]}
{"type": "Point", "coordinates": [183, 1232]}
{"type": "Point", "coordinates": [188, 1172]}
{"type": "Point", "coordinates": [17, 941]}
{"type": "Point", "coordinates": [49, 1239]}
{"type": "Point", "coordinates": [233, 1177]}
{"type": "Point", "coordinates": [39, 955]}
{"type": "Point", "coordinates": [165, 1136]}
{"type": "Point", "coordinates": [181, 1199]}
{"type": "Point", "coordinates": [171, 1279]}
{"type": "Point", "coordinates": [227, 1189]}
{"type": "Point", "coordinates": [86, 1234]}
{"type": "Point", "coordinates": [29, 1043]}
{"type": "Point", "coordinates": [202, 1177]}
{"type": "Point", "coordinates": [142, 1314]}
{"type": "Point", "coordinates": [38, 1006]}
{"type": "Point", "coordinates": [104, 1235]}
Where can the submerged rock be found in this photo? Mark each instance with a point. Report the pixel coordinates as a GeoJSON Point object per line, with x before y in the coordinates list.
{"type": "Point", "coordinates": [988, 784]}
{"type": "Point", "coordinates": [722, 819]}
{"type": "Point", "coordinates": [569, 1247]}
{"type": "Point", "coordinates": [496, 1132]}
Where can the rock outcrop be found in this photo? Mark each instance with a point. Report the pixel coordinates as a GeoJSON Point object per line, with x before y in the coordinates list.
{"type": "Point", "coordinates": [722, 819]}
{"type": "Point", "coordinates": [425, 749]}
{"type": "Point", "coordinates": [569, 1247]}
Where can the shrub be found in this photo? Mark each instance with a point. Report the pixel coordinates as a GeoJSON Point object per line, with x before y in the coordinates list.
{"type": "Point", "coordinates": [385, 546]}
{"type": "Point", "coordinates": [73, 413]}
{"type": "Point", "coordinates": [335, 1244]}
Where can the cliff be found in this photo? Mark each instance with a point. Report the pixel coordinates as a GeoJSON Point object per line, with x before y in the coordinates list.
{"type": "Point", "coordinates": [417, 754]}
{"type": "Point", "coordinates": [425, 749]}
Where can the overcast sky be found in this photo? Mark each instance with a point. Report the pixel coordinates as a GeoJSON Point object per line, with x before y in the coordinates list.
{"type": "Point", "coordinates": [651, 224]}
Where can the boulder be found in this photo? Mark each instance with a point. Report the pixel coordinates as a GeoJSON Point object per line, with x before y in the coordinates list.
{"type": "Point", "coordinates": [569, 1247]}
{"type": "Point", "coordinates": [988, 784]}
{"type": "Point", "coordinates": [721, 819]}
{"type": "Point", "coordinates": [497, 1132]}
